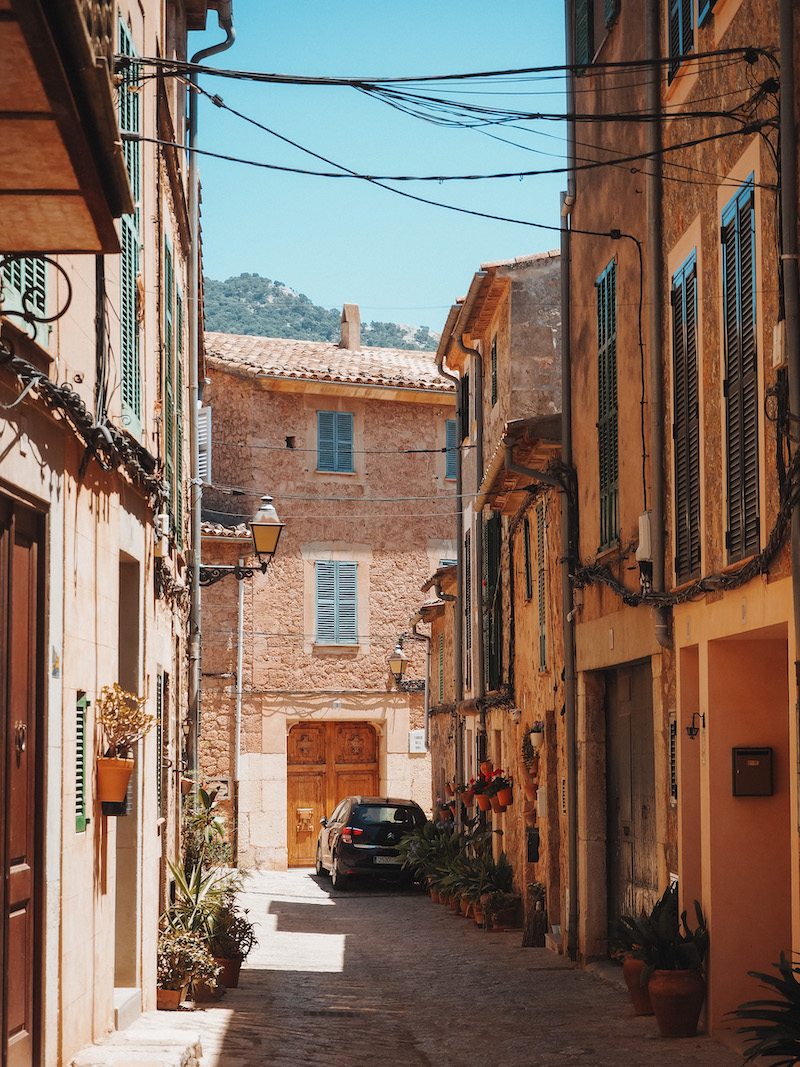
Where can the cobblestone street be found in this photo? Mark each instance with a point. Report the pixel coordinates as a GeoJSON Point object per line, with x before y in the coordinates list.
{"type": "Point", "coordinates": [375, 976]}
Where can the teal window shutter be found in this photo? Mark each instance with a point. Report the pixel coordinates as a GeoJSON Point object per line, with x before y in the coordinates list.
{"type": "Point", "coordinates": [741, 373]}
{"type": "Point", "coordinates": [168, 379]}
{"type": "Point", "coordinates": [24, 288]}
{"type": "Point", "coordinates": [336, 602]}
{"type": "Point", "coordinates": [451, 445]}
{"type": "Point", "coordinates": [607, 418]}
{"type": "Point", "coordinates": [681, 33]}
{"type": "Point", "coordinates": [335, 441]}
{"type": "Point", "coordinates": [179, 418]}
{"type": "Point", "coordinates": [492, 609]}
{"type": "Point", "coordinates": [467, 591]}
{"type": "Point", "coordinates": [159, 742]}
{"type": "Point", "coordinates": [129, 115]}
{"type": "Point", "coordinates": [584, 35]}
{"type": "Point", "coordinates": [686, 424]}
{"type": "Point", "coordinates": [81, 741]}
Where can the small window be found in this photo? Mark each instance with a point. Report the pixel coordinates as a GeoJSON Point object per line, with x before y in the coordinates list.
{"type": "Point", "coordinates": [451, 446]}
{"type": "Point", "coordinates": [336, 593]}
{"type": "Point", "coordinates": [81, 821]}
{"type": "Point", "coordinates": [681, 32]}
{"type": "Point", "coordinates": [335, 441]}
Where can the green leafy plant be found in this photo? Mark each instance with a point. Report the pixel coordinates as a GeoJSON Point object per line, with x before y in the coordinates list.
{"type": "Point", "coordinates": [183, 957]}
{"type": "Point", "coordinates": [203, 831]}
{"type": "Point", "coordinates": [776, 1027]}
{"type": "Point", "coordinates": [199, 898]}
{"type": "Point", "coordinates": [233, 935]}
{"type": "Point", "coordinates": [498, 780]}
{"type": "Point", "coordinates": [661, 940]}
{"type": "Point", "coordinates": [530, 755]}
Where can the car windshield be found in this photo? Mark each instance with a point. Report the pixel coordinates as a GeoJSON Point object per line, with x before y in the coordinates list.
{"type": "Point", "coordinates": [385, 823]}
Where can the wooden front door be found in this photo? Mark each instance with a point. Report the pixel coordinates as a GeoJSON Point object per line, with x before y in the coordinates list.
{"type": "Point", "coordinates": [20, 697]}
{"type": "Point", "coordinates": [630, 780]}
{"type": "Point", "coordinates": [326, 762]}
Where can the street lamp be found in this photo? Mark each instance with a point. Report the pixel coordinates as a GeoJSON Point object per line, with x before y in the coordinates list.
{"type": "Point", "coordinates": [265, 530]}
{"type": "Point", "coordinates": [398, 661]}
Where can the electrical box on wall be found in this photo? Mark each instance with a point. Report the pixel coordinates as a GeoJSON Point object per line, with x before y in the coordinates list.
{"type": "Point", "coordinates": [752, 772]}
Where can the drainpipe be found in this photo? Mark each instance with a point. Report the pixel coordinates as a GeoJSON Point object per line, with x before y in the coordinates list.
{"type": "Point", "coordinates": [569, 508]}
{"type": "Point", "coordinates": [656, 303]}
{"type": "Point", "coordinates": [789, 257]}
{"type": "Point", "coordinates": [458, 629]}
{"type": "Point", "coordinates": [225, 16]}
{"type": "Point", "coordinates": [237, 752]}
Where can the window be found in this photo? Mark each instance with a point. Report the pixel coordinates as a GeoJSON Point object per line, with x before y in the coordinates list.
{"type": "Point", "coordinates": [451, 445]}
{"type": "Point", "coordinates": [494, 370]}
{"type": "Point", "coordinates": [540, 553]}
{"type": "Point", "coordinates": [741, 373]}
{"type": "Point", "coordinates": [81, 820]}
{"type": "Point", "coordinates": [336, 603]}
{"type": "Point", "coordinates": [24, 288]}
{"type": "Point", "coordinates": [204, 434]}
{"type": "Point", "coordinates": [335, 441]}
{"type": "Point", "coordinates": [681, 32]}
{"type": "Point", "coordinates": [584, 32]}
{"type": "Point", "coordinates": [172, 387]}
{"type": "Point", "coordinates": [447, 562]}
{"type": "Point", "coordinates": [468, 604]}
{"type": "Point", "coordinates": [492, 608]}
{"type": "Point", "coordinates": [686, 425]}
{"type": "Point", "coordinates": [526, 542]}
{"type": "Point", "coordinates": [130, 122]}
{"type": "Point", "coordinates": [608, 448]}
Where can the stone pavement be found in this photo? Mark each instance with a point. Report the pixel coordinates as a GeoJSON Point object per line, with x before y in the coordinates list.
{"type": "Point", "coordinates": [378, 976]}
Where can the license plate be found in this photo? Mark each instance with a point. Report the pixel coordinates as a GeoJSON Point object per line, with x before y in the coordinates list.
{"type": "Point", "coordinates": [388, 859]}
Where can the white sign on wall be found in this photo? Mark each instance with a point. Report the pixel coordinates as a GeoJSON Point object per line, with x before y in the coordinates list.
{"type": "Point", "coordinates": [416, 741]}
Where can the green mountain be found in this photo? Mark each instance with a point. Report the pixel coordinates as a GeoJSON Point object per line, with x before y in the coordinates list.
{"type": "Point", "coordinates": [259, 307]}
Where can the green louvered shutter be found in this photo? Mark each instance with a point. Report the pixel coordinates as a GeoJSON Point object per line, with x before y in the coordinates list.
{"type": "Point", "coordinates": [336, 603]}
{"type": "Point", "coordinates": [81, 742]}
{"type": "Point", "coordinates": [584, 35]}
{"type": "Point", "coordinates": [686, 425]}
{"type": "Point", "coordinates": [129, 116]}
{"type": "Point", "coordinates": [159, 742]}
{"type": "Point", "coordinates": [463, 410]}
{"type": "Point", "coordinates": [451, 445]}
{"type": "Point", "coordinates": [681, 32]}
{"type": "Point", "coordinates": [335, 441]}
{"type": "Point", "coordinates": [610, 11]}
{"type": "Point", "coordinates": [607, 423]}
{"type": "Point", "coordinates": [492, 610]}
{"type": "Point", "coordinates": [168, 297]}
{"type": "Point", "coordinates": [741, 377]}
{"type": "Point", "coordinates": [179, 418]}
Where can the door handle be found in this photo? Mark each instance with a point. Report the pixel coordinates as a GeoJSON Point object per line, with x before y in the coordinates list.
{"type": "Point", "coordinates": [21, 737]}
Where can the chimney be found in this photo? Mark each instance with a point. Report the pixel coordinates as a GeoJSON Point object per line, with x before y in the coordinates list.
{"type": "Point", "coordinates": [351, 328]}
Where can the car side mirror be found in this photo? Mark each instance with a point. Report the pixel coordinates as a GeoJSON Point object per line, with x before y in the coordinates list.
{"type": "Point", "coordinates": [323, 821]}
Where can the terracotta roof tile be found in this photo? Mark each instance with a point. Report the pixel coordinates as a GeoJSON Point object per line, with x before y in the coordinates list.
{"type": "Point", "coordinates": [324, 361]}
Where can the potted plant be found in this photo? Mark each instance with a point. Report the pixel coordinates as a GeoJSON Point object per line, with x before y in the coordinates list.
{"type": "Point", "coordinates": [479, 787]}
{"type": "Point", "coordinates": [123, 722]}
{"type": "Point", "coordinates": [231, 941]}
{"type": "Point", "coordinates": [530, 757]}
{"type": "Point", "coordinates": [673, 954]}
{"type": "Point", "coordinates": [183, 958]}
{"type": "Point", "coordinates": [536, 734]}
{"type": "Point", "coordinates": [774, 1024]}
{"type": "Point", "coordinates": [500, 790]}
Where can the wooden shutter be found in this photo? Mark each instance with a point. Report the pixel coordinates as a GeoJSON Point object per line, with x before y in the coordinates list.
{"type": "Point", "coordinates": [168, 297]}
{"type": "Point", "coordinates": [344, 441]}
{"type": "Point", "coordinates": [541, 573]}
{"type": "Point", "coordinates": [159, 742]}
{"type": "Point", "coordinates": [607, 422]}
{"type": "Point", "coordinates": [129, 115]}
{"type": "Point", "coordinates": [492, 609]}
{"type": "Point", "coordinates": [681, 32]}
{"type": "Point", "coordinates": [336, 592]}
{"type": "Point", "coordinates": [686, 425]}
{"type": "Point", "coordinates": [741, 375]}
{"type": "Point", "coordinates": [610, 11]}
{"type": "Point", "coordinates": [451, 445]}
{"type": "Point", "coordinates": [526, 541]}
{"type": "Point", "coordinates": [468, 591]}
{"type": "Point", "coordinates": [179, 418]}
{"type": "Point", "coordinates": [204, 434]}
{"type": "Point", "coordinates": [335, 441]}
{"type": "Point", "coordinates": [441, 668]}
{"type": "Point", "coordinates": [81, 740]}
{"type": "Point", "coordinates": [584, 36]}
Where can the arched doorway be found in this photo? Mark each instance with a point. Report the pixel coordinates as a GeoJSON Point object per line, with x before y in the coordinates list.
{"type": "Point", "coordinates": [325, 762]}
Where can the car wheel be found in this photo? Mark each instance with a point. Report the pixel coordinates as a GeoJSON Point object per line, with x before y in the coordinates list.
{"type": "Point", "coordinates": [321, 872]}
{"type": "Point", "coordinates": [338, 880]}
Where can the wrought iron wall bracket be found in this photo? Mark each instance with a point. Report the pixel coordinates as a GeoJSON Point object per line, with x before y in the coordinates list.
{"type": "Point", "coordinates": [212, 575]}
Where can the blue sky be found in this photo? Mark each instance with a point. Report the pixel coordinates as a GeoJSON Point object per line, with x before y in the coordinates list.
{"type": "Point", "coordinates": [343, 240]}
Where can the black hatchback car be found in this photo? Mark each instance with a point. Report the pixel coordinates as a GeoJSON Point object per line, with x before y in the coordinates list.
{"type": "Point", "coordinates": [361, 837]}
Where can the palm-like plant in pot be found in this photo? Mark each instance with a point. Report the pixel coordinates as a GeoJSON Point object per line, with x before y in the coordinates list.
{"type": "Point", "coordinates": [232, 939]}
{"type": "Point", "coordinates": [673, 954]}
{"type": "Point", "coordinates": [774, 1028]}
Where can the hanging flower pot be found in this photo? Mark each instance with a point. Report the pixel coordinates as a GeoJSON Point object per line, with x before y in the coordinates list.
{"type": "Point", "coordinates": [505, 796]}
{"type": "Point", "coordinates": [487, 767]}
{"type": "Point", "coordinates": [444, 812]}
{"type": "Point", "coordinates": [467, 797]}
{"type": "Point", "coordinates": [497, 807]}
{"type": "Point", "coordinates": [449, 789]}
{"type": "Point", "coordinates": [530, 790]}
{"type": "Point", "coordinates": [537, 738]}
{"type": "Point", "coordinates": [483, 802]}
{"type": "Point", "coordinates": [113, 775]}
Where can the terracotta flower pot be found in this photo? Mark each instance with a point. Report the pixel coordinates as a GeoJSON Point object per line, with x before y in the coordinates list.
{"type": "Point", "coordinates": [484, 803]}
{"type": "Point", "coordinates": [228, 976]}
{"type": "Point", "coordinates": [449, 789]}
{"type": "Point", "coordinates": [477, 914]}
{"type": "Point", "coordinates": [444, 812]}
{"type": "Point", "coordinates": [677, 998]}
{"type": "Point", "coordinates": [496, 805]}
{"type": "Point", "coordinates": [505, 796]}
{"type": "Point", "coordinates": [169, 999]}
{"type": "Point", "coordinates": [435, 896]}
{"type": "Point", "coordinates": [113, 775]}
{"type": "Point", "coordinates": [530, 790]}
{"type": "Point", "coordinates": [487, 767]}
{"type": "Point", "coordinates": [640, 997]}
{"type": "Point", "coordinates": [466, 907]}
{"type": "Point", "coordinates": [467, 798]}
{"type": "Point", "coordinates": [455, 905]}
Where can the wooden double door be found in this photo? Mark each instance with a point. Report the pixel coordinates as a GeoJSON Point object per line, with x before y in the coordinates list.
{"type": "Point", "coordinates": [21, 685]}
{"type": "Point", "coordinates": [326, 761]}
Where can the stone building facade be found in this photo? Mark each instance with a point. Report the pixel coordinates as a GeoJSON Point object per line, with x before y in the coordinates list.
{"type": "Point", "coordinates": [350, 443]}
